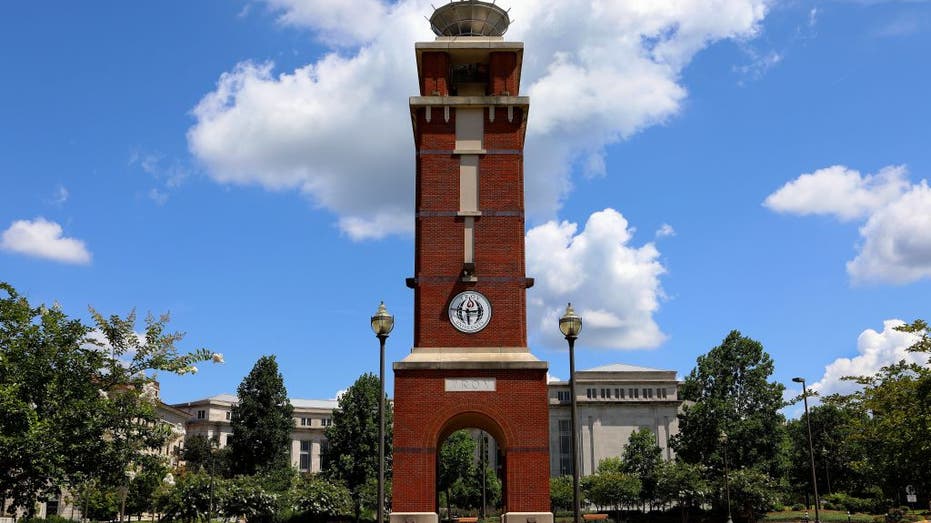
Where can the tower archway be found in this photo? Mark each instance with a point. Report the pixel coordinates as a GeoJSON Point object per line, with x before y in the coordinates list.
{"type": "Point", "coordinates": [484, 472]}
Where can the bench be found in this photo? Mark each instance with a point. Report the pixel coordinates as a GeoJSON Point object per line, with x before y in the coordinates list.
{"type": "Point", "coordinates": [594, 517]}
{"type": "Point", "coordinates": [471, 519]}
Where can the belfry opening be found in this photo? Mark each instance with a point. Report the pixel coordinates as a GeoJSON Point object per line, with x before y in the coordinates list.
{"type": "Point", "coordinates": [470, 367]}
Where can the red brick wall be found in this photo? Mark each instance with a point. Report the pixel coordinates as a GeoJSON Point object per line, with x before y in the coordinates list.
{"type": "Point", "coordinates": [499, 232]}
{"type": "Point", "coordinates": [515, 414]}
{"type": "Point", "coordinates": [503, 73]}
{"type": "Point", "coordinates": [434, 68]}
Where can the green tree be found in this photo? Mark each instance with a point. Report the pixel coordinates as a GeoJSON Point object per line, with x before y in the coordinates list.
{"type": "Point", "coordinates": [261, 420]}
{"type": "Point", "coordinates": [642, 457]}
{"type": "Point", "coordinates": [840, 459]}
{"type": "Point", "coordinates": [77, 406]}
{"type": "Point", "coordinates": [352, 456]}
{"type": "Point", "coordinates": [472, 495]}
{"type": "Point", "coordinates": [203, 453]}
{"type": "Point", "coordinates": [190, 499]}
{"type": "Point", "coordinates": [560, 493]}
{"type": "Point", "coordinates": [893, 420]}
{"type": "Point", "coordinates": [683, 484]}
{"type": "Point", "coordinates": [320, 499]}
{"type": "Point", "coordinates": [457, 464]}
{"type": "Point", "coordinates": [731, 394]}
{"type": "Point", "coordinates": [150, 471]}
{"type": "Point", "coordinates": [246, 497]}
{"type": "Point", "coordinates": [610, 488]}
{"type": "Point", "coordinates": [753, 494]}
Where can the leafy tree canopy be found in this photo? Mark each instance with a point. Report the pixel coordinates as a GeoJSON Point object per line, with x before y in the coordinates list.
{"type": "Point", "coordinates": [642, 458]}
{"type": "Point", "coordinates": [732, 395]}
{"type": "Point", "coordinates": [352, 456]}
{"type": "Point", "coordinates": [261, 420]}
{"type": "Point", "coordinates": [611, 488]}
{"type": "Point", "coordinates": [892, 420]}
{"type": "Point", "coordinates": [78, 403]}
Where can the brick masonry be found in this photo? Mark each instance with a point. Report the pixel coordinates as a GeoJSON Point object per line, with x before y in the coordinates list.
{"type": "Point", "coordinates": [516, 412]}
{"type": "Point", "coordinates": [516, 415]}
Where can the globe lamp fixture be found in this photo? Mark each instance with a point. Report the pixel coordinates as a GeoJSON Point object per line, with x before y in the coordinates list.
{"type": "Point", "coordinates": [382, 321]}
{"type": "Point", "coordinates": [570, 324]}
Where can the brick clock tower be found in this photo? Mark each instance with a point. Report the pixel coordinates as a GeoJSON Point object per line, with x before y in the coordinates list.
{"type": "Point", "coordinates": [470, 366]}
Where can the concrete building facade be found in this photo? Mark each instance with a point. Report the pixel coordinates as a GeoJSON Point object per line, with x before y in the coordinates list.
{"type": "Point", "coordinates": [211, 417]}
{"type": "Point", "coordinates": [613, 402]}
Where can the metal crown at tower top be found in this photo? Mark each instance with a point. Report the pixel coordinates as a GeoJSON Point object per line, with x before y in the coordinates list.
{"type": "Point", "coordinates": [469, 18]}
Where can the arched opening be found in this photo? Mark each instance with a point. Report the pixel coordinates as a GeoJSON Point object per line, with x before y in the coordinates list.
{"type": "Point", "coordinates": [470, 468]}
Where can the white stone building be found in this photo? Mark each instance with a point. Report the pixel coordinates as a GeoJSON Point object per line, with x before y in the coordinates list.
{"type": "Point", "coordinates": [211, 417]}
{"type": "Point", "coordinates": [613, 402]}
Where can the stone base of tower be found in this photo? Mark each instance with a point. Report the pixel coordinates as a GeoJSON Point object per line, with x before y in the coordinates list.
{"type": "Point", "coordinates": [414, 517]}
{"type": "Point", "coordinates": [527, 517]}
{"type": "Point", "coordinates": [501, 391]}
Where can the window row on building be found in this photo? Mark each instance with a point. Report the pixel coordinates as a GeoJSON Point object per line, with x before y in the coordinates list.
{"type": "Point", "coordinates": [621, 393]}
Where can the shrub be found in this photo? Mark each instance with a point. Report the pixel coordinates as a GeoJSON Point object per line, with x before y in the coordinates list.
{"type": "Point", "coordinates": [246, 497]}
{"type": "Point", "coordinates": [190, 498]}
{"type": "Point", "coordinates": [318, 499]}
{"type": "Point", "coordinates": [841, 501]}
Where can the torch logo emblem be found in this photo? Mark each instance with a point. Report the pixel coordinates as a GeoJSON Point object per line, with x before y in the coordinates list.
{"type": "Point", "coordinates": [469, 311]}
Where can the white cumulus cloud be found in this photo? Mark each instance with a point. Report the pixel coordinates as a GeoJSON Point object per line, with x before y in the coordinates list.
{"type": "Point", "coordinates": [613, 285]}
{"type": "Point", "coordinates": [839, 191]}
{"type": "Point", "coordinates": [41, 238]}
{"type": "Point", "coordinates": [895, 244]}
{"type": "Point", "coordinates": [874, 350]}
{"type": "Point", "coordinates": [338, 129]}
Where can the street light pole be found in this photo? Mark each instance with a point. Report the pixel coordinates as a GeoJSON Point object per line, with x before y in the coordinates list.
{"type": "Point", "coordinates": [382, 324]}
{"type": "Point", "coordinates": [570, 324]}
{"type": "Point", "coordinates": [811, 450]}
{"type": "Point", "coordinates": [727, 486]}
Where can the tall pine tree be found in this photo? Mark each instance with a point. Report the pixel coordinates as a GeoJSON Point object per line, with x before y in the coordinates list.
{"type": "Point", "coordinates": [261, 421]}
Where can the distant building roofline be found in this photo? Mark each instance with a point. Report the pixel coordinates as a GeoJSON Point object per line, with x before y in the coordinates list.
{"type": "Point", "coordinates": [300, 403]}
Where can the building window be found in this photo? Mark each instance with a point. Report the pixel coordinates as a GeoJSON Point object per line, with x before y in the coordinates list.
{"type": "Point", "coordinates": [565, 447]}
{"type": "Point", "coordinates": [647, 393]}
{"type": "Point", "coordinates": [201, 414]}
{"type": "Point", "coordinates": [619, 393]}
{"type": "Point", "coordinates": [563, 395]}
{"type": "Point", "coordinates": [591, 393]}
{"type": "Point", "coordinates": [305, 456]}
{"type": "Point", "coordinates": [324, 454]}
{"type": "Point", "coordinates": [633, 393]}
{"type": "Point", "coordinates": [326, 422]}
{"type": "Point", "coordinates": [305, 422]}
{"type": "Point", "coordinates": [661, 393]}
{"type": "Point", "coordinates": [229, 415]}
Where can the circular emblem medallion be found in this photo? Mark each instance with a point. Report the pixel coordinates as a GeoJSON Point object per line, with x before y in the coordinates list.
{"type": "Point", "coordinates": [469, 311]}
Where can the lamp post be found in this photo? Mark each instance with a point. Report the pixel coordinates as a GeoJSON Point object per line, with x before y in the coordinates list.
{"type": "Point", "coordinates": [811, 450]}
{"type": "Point", "coordinates": [382, 323]}
{"type": "Point", "coordinates": [727, 487]}
{"type": "Point", "coordinates": [570, 324]}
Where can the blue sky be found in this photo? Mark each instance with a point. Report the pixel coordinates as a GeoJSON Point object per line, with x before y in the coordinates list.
{"type": "Point", "coordinates": [692, 168]}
